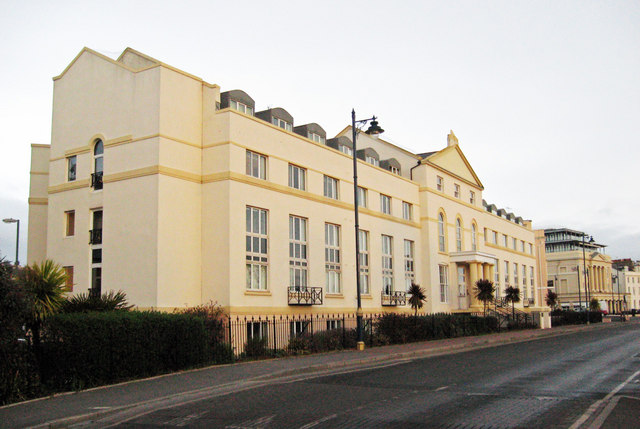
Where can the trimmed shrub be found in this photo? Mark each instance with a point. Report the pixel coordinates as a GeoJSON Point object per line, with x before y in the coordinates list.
{"type": "Point", "coordinates": [90, 349]}
{"type": "Point", "coordinates": [570, 317]}
{"type": "Point", "coordinates": [398, 328]}
{"type": "Point", "coordinates": [255, 347]}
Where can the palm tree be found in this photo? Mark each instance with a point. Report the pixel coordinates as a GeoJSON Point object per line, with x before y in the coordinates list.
{"type": "Point", "coordinates": [45, 286]}
{"type": "Point", "coordinates": [416, 297]}
{"type": "Point", "coordinates": [512, 294]}
{"type": "Point", "coordinates": [552, 299]}
{"type": "Point", "coordinates": [484, 290]}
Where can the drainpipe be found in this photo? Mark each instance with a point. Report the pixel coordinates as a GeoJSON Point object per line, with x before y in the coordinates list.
{"type": "Point", "coordinates": [411, 169]}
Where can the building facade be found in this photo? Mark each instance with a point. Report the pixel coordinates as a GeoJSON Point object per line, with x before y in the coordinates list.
{"type": "Point", "coordinates": [578, 269]}
{"type": "Point", "coordinates": [626, 284]}
{"type": "Point", "coordinates": [159, 184]}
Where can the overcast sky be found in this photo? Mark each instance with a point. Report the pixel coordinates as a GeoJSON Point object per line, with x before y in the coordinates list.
{"type": "Point", "coordinates": [544, 96]}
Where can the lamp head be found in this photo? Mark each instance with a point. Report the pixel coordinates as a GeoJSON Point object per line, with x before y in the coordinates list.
{"type": "Point", "coordinates": [374, 128]}
{"type": "Point", "coordinates": [591, 240]}
{"type": "Point", "coordinates": [9, 220]}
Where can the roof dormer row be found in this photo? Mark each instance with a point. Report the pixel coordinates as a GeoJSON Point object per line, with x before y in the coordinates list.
{"type": "Point", "coordinates": [241, 101]}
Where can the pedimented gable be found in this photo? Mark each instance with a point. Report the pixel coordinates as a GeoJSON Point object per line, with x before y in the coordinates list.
{"type": "Point", "coordinates": [452, 160]}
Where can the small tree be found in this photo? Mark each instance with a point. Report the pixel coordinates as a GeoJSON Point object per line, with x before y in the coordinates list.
{"type": "Point", "coordinates": [416, 297]}
{"type": "Point", "coordinates": [44, 285]}
{"type": "Point", "coordinates": [551, 299]}
{"type": "Point", "coordinates": [512, 295]}
{"type": "Point", "coordinates": [594, 305]}
{"type": "Point", "coordinates": [84, 302]}
{"type": "Point", "coordinates": [484, 291]}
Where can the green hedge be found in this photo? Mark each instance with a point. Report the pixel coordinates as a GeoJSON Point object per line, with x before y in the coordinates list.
{"type": "Point", "coordinates": [81, 350]}
{"type": "Point", "coordinates": [570, 317]}
{"type": "Point", "coordinates": [406, 329]}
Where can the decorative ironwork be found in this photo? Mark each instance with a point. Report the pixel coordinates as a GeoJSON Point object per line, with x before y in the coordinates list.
{"type": "Point", "coordinates": [96, 180]}
{"type": "Point", "coordinates": [393, 299]}
{"type": "Point", "coordinates": [95, 236]}
{"type": "Point", "coordinates": [305, 296]}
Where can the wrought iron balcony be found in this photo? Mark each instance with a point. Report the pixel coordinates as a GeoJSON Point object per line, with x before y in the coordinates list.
{"type": "Point", "coordinates": [394, 299]}
{"type": "Point", "coordinates": [95, 236]}
{"type": "Point", "coordinates": [96, 180]}
{"type": "Point", "coordinates": [305, 296]}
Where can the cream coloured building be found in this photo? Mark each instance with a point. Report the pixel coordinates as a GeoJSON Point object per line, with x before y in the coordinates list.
{"type": "Point", "coordinates": [159, 184]}
{"type": "Point", "coordinates": [568, 255]}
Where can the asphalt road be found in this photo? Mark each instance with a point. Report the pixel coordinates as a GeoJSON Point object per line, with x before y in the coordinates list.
{"type": "Point", "coordinates": [586, 379]}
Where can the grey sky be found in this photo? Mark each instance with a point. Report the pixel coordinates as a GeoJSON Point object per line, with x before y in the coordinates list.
{"type": "Point", "coordinates": [543, 96]}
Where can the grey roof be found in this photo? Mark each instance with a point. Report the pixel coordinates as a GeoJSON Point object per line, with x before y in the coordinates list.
{"type": "Point", "coordinates": [426, 154]}
{"type": "Point", "coordinates": [339, 141]}
{"type": "Point", "coordinates": [276, 112]}
{"type": "Point", "coordinates": [391, 162]}
{"type": "Point", "coordinates": [310, 128]}
{"type": "Point", "coordinates": [237, 95]}
{"type": "Point", "coordinates": [363, 153]}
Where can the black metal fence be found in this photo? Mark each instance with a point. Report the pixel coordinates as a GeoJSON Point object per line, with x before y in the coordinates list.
{"type": "Point", "coordinates": [257, 336]}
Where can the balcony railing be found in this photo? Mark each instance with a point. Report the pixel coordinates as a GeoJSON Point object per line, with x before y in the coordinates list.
{"type": "Point", "coordinates": [96, 180]}
{"type": "Point", "coordinates": [305, 296]}
{"type": "Point", "coordinates": [394, 299]}
{"type": "Point", "coordinates": [95, 236]}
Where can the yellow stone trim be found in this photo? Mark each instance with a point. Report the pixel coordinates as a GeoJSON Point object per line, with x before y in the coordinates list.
{"type": "Point", "coordinates": [76, 151]}
{"type": "Point", "coordinates": [365, 296]}
{"type": "Point", "coordinates": [118, 140]}
{"type": "Point", "coordinates": [307, 195]}
{"type": "Point", "coordinates": [333, 295]}
{"type": "Point", "coordinates": [298, 136]}
{"type": "Point", "coordinates": [517, 252]}
{"type": "Point", "coordinates": [258, 292]}
{"type": "Point", "coordinates": [443, 253]}
{"type": "Point", "coordinates": [149, 171]}
{"type": "Point", "coordinates": [78, 184]}
{"type": "Point", "coordinates": [456, 147]}
{"type": "Point", "coordinates": [46, 146]}
{"type": "Point", "coordinates": [38, 201]}
{"type": "Point", "coordinates": [39, 173]}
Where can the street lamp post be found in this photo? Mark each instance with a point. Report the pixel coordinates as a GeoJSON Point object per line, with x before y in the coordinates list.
{"type": "Point", "coordinates": [586, 276]}
{"type": "Point", "coordinates": [17, 222]}
{"type": "Point", "coordinates": [613, 277]}
{"type": "Point", "coordinates": [374, 129]}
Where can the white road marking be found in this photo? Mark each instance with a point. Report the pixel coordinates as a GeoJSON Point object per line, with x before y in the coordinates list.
{"type": "Point", "coordinates": [317, 422]}
{"type": "Point", "coordinates": [441, 388]}
{"type": "Point", "coordinates": [258, 423]}
{"type": "Point", "coordinates": [592, 409]}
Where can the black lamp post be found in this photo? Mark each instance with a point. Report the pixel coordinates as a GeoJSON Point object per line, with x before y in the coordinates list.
{"type": "Point", "coordinates": [615, 277]}
{"type": "Point", "coordinates": [17, 222]}
{"type": "Point", "coordinates": [586, 276]}
{"type": "Point", "coordinates": [374, 129]}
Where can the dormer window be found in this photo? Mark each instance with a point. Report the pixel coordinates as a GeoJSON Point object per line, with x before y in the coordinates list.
{"type": "Point", "coordinates": [241, 107]}
{"type": "Point", "coordinates": [371, 160]}
{"type": "Point", "coordinates": [281, 123]}
{"type": "Point", "coordinates": [394, 170]}
{"type": "Point", "coordinates": [346, 149]}
{"type": "Point", "coordinates": [315, 137]}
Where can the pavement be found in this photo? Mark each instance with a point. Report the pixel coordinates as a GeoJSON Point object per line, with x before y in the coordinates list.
{"type": "Point", "coordinates": [66, 409]}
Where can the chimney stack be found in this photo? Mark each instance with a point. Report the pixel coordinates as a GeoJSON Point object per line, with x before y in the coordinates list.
{"type": "Point", "coordinates": [452, 140]}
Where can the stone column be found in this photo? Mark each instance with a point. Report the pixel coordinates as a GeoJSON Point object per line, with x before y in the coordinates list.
{"type": "Point", "coordinates": [473, 278]}
{"type": "Point", "coordinates": [485, 272]}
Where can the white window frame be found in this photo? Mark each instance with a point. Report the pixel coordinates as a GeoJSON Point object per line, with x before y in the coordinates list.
{"type": "Point", "coordinates": [439, 183]}
{"type": "Point", "coordinates": [385, 204]}
{"type": "Point", "coordinates": [72, 168]}
{"type": "Point", "coordinates": [332, 258]}
{"type": "Point", "coordinates": [257, 248]}
{"type": "Point", "coordinates": [362, 197]}
{"type": "Point", "coordinates": [442, 234]}
{"type": "Point", "coordinates": [394, 170]}
{"type": "Point", "coordinates": [331, 188]}
{"type": "Point", "coordinates": [474, 237]}
{"type": "Point", "coordinates": [297, 177]}
{"type": "Point", "coordinates": [387, 264]}
{"type": "Point", "coordinates": [409, 263]}
{"type": "Point", "coordinates": [506, 272]}
{"type": "Point", "coordinates": [458, 235]}
{"type": "Point", "coordinates": [256, 165]}
{"type": "Point", "coordinates": [241, 107]}
{"type": "Point", "coordinates": [363, 254]}
{"type": "Point", "coordinates": [281, 123]}
{"type": "Point", "coordinates": [407, 210]}
{"type": "Point", "coordinates": [515, 274]}
{"type": "Point", "coordinates": [298, 253]}
{"type": "Point", "coordinates": [443, 274]}
{"type": "Point", "coordinates": [315, 137]}
{"type": "Point", "coordinates": [472, 197]}
{"type": "Point", "coordinates": [372, 160]}
{"type": "Point", "coordinates": [456, 190]}
{"type": "Point", "coordinates": [346, 149]}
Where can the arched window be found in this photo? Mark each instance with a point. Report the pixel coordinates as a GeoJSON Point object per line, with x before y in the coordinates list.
{"type": "Point", "coordinates": [474, 247]}
{"type": "Point", "coordinates": [441, 240]}
{"type": "Point", "coordinates": [98, 165]}
{"type": "Point", "coordinates": [458, 236]}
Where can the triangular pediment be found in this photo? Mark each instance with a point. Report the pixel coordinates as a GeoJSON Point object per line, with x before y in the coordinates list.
{"type": "Point", "coordinates": [452, 160]}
